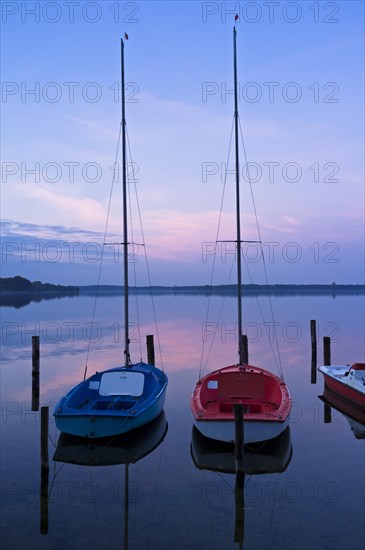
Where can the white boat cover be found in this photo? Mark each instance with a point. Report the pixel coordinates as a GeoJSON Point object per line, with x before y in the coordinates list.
{"type": "Point", "coordinates": [122, 383]}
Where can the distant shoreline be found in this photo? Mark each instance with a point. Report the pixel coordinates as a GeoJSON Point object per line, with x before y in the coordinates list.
{"type": "Point", "coordinates": [278, 289]}
{"type": "Point", "coordinates": [20, 285]}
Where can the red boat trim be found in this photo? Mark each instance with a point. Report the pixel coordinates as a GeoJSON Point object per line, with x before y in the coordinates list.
{"type": "Point", "coordinates": [358, 366]}
{"type": "Point", "coordinates": [348, 393]}
{"type": "Point", "coordinates": [343, 405]}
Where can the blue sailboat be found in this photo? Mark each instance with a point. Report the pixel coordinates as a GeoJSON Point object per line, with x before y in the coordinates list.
{"type": "Point", "coordinates": [124, 398]}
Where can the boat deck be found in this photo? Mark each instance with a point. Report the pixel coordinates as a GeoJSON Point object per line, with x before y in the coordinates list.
{"type": "Point", "coordinates": [250, 406]}
{"type": "Point", "coordinates": [262, 395]}
{"type": "Point", "coordinates": [101, 403]}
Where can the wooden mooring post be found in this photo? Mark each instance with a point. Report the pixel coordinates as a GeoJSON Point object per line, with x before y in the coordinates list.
{"type": "Point", "coordinates": [150, 350]}
{"type": "Point", "coordinates": [326, 350]}
{"type": "Point", "coordinates": [314, 351]}
{"type": "Point", "coordinates": [327, 416]}
{"type": "Point", "coordinates": [35, 373]}
{"type": "Point", "coordinates": [239, 436]}
{"type": "Point", "coordinates": [44, 471]}
{"type": "Point", "coordinates": [240, 508]}
{"type": "Point", "coordinates": [245, 348]}
{"type": "Point", "coordinates": [240, 476]}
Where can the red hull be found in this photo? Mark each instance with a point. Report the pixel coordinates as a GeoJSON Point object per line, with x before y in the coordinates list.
{"type": "Point", "coordinates": [347, 393]}
{"type": "Point", "coordinates": [264, 396]}
{"type": "Point", "coordinates": [343, 406]}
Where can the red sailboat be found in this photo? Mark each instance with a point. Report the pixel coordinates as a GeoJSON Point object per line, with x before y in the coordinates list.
{"type": "Point", "coordinates": [264, 396]}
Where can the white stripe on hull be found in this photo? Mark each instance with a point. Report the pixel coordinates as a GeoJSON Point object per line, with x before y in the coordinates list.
{"type": "Point", "coordinates": [253, 431]}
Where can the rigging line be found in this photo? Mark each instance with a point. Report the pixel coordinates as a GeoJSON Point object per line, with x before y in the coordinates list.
{"type": "Point", "coordinates": [92, 484]}
{"type": "Point", "coordinates": [155, 490]}
{"type": "Point", "coordinates": [104, 239]}
{"type": "Point", "coordinates": [201, 370]}
{"type": "Point", "coordinates": [210, 515]}
{"type": "Point", "coordinates": [132, 241]}
{"type": "Point", "coordinates": [263, 256]}
{"type": "Point", "coordinates": [53, 440]}
{"type": "Point", "coordinates": [146, 259]}
{"type": "Point", "coordinates": [55, 474]}
{"type": "Point", "coordinates": [220, 314]}
{"type": "Point", "coordinates": [277, 359]}
{"type": "Point", "coordinates": [270, 534]}
{"type": "Point", "coordinates": [133, 521]}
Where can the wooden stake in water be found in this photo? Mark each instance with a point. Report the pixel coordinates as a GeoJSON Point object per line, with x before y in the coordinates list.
{"type": "Point", "coordinates": [35, 373]}
{"type": "Point", "coordinates": [150, 350]}
{"type": "Point", "coordinates": [326, 350]}
{"type": "Point", "coordinates": [240, 512]}
{"type": "Point", "coordinates": [327, 413]}
{"type": "Point", "coordinates": [44, 471]}
{"type": "Point", "coordinates": [245, 349]}
{"type": "Point", "coordinates": [240, 476]}
{"type": "Point", "coordinates": [314, 352]}
{"type": "Point", "coordinates": [239, 436]}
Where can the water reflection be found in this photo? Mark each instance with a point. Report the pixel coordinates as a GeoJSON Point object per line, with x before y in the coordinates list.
{"type": "Point", "coordinates": [355, 416]}
{"type": "Point", "coordinates": [166, 491]}
{"type": "Point", "coordinates": [19, 300]}
{"type": "Point", "coordinates": [270, 457]}
{"type": "Point", "coordinates": [126, 449]}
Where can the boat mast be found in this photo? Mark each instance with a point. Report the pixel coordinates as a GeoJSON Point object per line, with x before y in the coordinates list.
{"type": "Point", "coordinates": [125, 220]}
{"type": "Point", "coordinates": [238, 213]}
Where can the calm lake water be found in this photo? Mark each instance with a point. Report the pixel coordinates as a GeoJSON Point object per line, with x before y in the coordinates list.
{"type": "Point", "coordinates": [169, 495]}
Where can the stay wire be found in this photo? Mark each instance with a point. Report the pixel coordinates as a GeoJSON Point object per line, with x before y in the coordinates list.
{"type": "Point", "coordinates": [132, 241]}
{"type": "Point", "coordinates": [201, 368]}
{"type": "Point", "coordinates": [154, 501]}
{"type": "Point", "coordinates": [276, 357]}
{"type": "Point", "coordinates": [146, 258]}
{"type": "Point", "coordinates": [104, 238]}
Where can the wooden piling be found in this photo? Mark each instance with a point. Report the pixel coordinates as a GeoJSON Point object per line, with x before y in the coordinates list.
{"type": "Point", "coordinates": [326, 350]}
{"type": "Point", "coordinates": [35, 373]}
{"type": "Point", "coordinates": [126, 507]}
{"type": "Point", "coordinates": [239, 436]}
{"type": "Point", "coordinates": [240, 508]}
{"type": "Point", "coordinates": [245, 348]}
{"type": "Point", "coordinates": [44, 472]}
{"type": "Point", "coordinates": [150, 350]}
{"type": "Point", "coordinates": [314, 351]}
{"type": "Point", "coordinates": [327, 413]}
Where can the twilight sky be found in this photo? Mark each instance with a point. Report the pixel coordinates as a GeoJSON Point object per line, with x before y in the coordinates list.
{"type": "Point", "coordinates": [300, 72]}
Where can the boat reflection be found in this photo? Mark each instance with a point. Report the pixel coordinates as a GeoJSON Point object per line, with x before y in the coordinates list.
{"type": "Point", "coordinates": [122, 449]}
{"type": "Point", "coordinates": [126, 449]}
{"type": "Point", "coordinates": [353, 414]}
{"type": "Point", "coordinates": [272, 456]}
{"type": "Point", "coordinates": [269, 457]}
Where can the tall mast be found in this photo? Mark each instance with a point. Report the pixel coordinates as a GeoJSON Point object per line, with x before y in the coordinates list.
{"type": "Point", "coordinates": [125, 220]}
{"type": "Point", "coordinates": [238, 213]}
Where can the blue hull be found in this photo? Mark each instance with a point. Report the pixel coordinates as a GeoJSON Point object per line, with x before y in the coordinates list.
{"type": "Point", "coordinates": [112, 402]}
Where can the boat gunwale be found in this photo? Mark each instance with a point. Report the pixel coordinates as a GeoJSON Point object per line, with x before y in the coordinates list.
{"type": "Point", "coordinates": [280, 414]}
{"type": "Point", "coordinates": [332, 380]}
{"type": "Point", "coordinates": [63, 409]}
